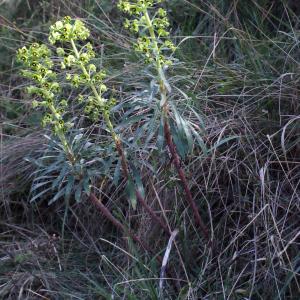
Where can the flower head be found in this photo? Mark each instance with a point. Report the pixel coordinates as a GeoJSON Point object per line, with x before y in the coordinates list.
{"type": "Point", "coordinates": [151, 28]}
{"type": "Point", "coordinates": [37, 63]}
{"type": "Point", "coordinates": [67, 29]}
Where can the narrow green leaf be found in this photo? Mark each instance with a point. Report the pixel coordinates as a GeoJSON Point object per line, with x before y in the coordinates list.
{"type": "Point", "coordinates": [199, 118]}
{"type": "Point", "coordinates": [57, 196]}
{"type": "Point", "coordinates": [86, 185]}
{"type": "Point", "coordinates": [35, 186]}
{"type": "Point", "coordinates": [160, 136]}
{"type": "Point", "coordinates": [78, 192]}
{"type": "Point", "coordinates": [200, 141]}
{"type": "Point", "coordinates": [130, 191]}
{"type": "Point", "coordinates": [129, 121]}
{"type": "Point", "coordinates": [152, 127]}
{"type": "Point", "coordinates": [117, 173]}
{"type": "Point", "coordinates": [39, 195]}
{"type": "Point", "coordinates": [188, 135]}
{"type": "Point", "coordinates": [70, 186]}
{"type": "Point", "coordinates": [138, 181]}
{"type": "Point", "coordinates": [223, 141]}
{"type": "Point", "coordinates": [183, 128]}
{"type": "Point", "coordinates": [58, 181]}
{"type": "Point", "coordinates": [179, 141]}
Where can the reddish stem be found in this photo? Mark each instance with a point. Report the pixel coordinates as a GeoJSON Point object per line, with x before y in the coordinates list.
{"type": "Point", "coordinates": [180, 171]}
{"type": "Point", "coordinates": [98, 203]}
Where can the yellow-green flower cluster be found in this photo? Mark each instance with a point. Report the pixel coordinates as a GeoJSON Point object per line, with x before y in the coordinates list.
{"type": "Point", "coordinates": [37, 62]}
{"type": "Point", "coordinates": [86, 72]}
{"type": "Point", "coordinates": [97, 104]}
{"type": "Point", "coordinates": [66, 30]}
{"type": "Point", "coordinates": [152, 31]}
{"type": "Point", "coordinates": [136, 7]}
{"type": "Point", "coordinates": [72, 58]}
{"type": "Point", "coordinates": [32, 56]}
{"type": "Point", "coordinates": [76, 59]}
{"type": "Point", "coordinates": [93, 109]}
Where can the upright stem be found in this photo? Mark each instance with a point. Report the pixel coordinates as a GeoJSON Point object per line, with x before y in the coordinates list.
{"type": "Point", "coordinates": [154, 39]}
{"type": "Point", "coordinates": [119, 147]}
{"type": "Point", "coordinates": [62, 138]}
{"type": "Point", "coordinates": [167, 132]}
{"type": "Point", "coordinates": [181, 174]}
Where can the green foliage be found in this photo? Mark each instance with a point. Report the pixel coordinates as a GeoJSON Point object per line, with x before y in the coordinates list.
{"type": "Point", "coordinates": [73, 175]}
{"type": "Point", "coordinates": [55, 172]}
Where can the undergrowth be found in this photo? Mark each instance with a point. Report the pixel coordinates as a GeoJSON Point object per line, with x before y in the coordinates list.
{"type": "Point", "coordinates": [232, 94]}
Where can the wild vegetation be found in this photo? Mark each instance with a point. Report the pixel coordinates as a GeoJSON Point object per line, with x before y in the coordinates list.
{"type": "Point", "coordinates": [149, 149]}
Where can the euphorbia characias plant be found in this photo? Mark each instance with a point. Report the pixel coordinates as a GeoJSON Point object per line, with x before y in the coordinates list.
{"type": "Point", "coordinates": [150, 24]}
{"type": "Point", "coordinates": [81, 72]}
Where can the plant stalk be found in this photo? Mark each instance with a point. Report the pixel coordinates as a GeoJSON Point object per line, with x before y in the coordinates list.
{"type": "Point", "coordinates": [181, 174]}
{"type": "Point", "coordinates": [167, 132]}
{"type": "Point", "coordinates": [98, 203]}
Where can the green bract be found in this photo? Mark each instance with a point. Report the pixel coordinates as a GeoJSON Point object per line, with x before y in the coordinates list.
{"type": "Point", "coordinates": [152, 31]}
{"type": "Point", "coordinates": [67, 30]}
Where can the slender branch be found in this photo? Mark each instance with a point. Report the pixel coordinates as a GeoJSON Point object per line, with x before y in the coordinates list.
{"type": "Point", "coordinates": [181, 173]}
{"type": "Point", "coordinates": [98, 203]}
